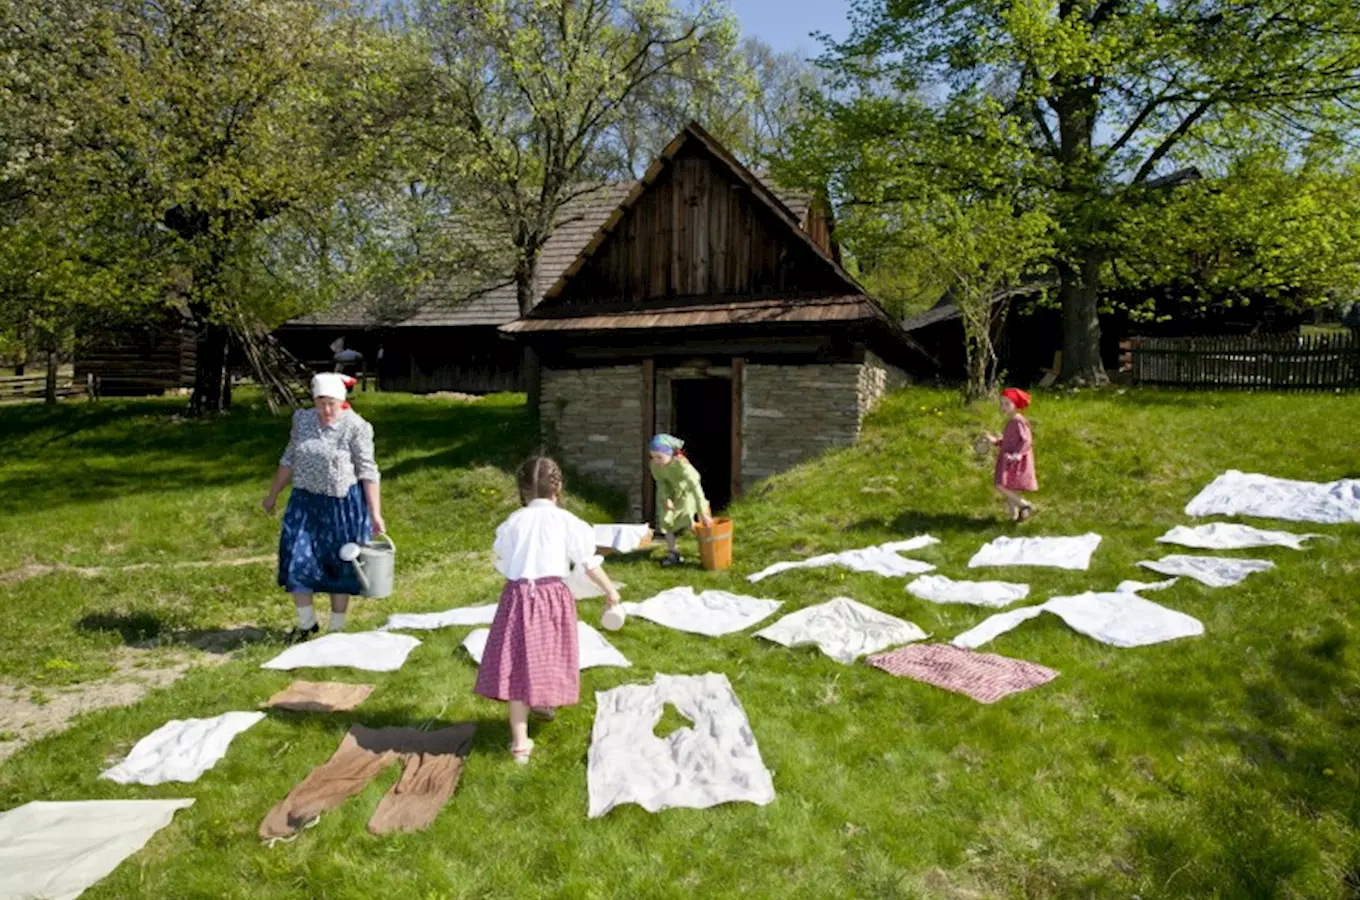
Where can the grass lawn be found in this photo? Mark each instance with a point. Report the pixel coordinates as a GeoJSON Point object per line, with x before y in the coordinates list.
{"type": "Point", "coordinates": [1219, 766]}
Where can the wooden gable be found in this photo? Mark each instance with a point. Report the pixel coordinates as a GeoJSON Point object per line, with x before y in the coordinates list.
{"type": "Point", "coordinates": [700, 226]}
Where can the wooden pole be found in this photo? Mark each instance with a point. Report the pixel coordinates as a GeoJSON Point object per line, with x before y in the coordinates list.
{"type": "Point", "coordinates": [738, 391]}
{"type": "Point", "coordinates": [648, 429]}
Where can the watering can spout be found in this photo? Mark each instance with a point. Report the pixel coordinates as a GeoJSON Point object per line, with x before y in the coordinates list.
{"type": "Point", "coordinates": [373, 564]}
{"type": "Point", "coordinates": [350, 553]}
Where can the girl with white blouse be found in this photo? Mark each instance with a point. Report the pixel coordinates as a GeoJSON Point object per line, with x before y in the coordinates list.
{"type": "Point", "coordinates": [532, 659]}
{"type": "Point", "coordinates": [335, 501]}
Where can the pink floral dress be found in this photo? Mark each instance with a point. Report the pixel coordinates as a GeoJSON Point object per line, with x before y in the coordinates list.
{"type": "Point", "coordinates": [1016, 474]}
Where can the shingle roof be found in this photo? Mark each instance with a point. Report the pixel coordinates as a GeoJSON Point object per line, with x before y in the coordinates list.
{"type": "Point", "coordinates": [847, 308]}
{"type": "Point", "coordinates": [579, 221]}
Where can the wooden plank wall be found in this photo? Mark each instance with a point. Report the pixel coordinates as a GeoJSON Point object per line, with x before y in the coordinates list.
{"type": "Point", "coordinates": [140, 363]}
{"type": "Point", "coordinates": [1273, 362]}
{"type": "Point", "coordinates": [697, 232]}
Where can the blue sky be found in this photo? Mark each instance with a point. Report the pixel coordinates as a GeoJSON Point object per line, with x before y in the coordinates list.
{"type": "Point", "coordinates": [787, 24]}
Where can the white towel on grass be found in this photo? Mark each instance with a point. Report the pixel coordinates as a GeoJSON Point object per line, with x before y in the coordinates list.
{"type": "Point", "coordinates": [1214, 571]}
{"type": "Point", "coordinates": [449, 618]}
{"type": "Point", "coordinates": [55, 851]}
{"type": "Point", "coordinates": [842, 629]}
{"type": "Point", "coordinates": [712, 613]}
{"type": "Point", "coordinates": [715, 761]}
{"type": "Point", "coordinates": [181, 749]}
{"type": "Point", "coordinates": [594, 649]}
{"type": "Point", "coordinates": [1118, 619]}
{"type": "Point", "coordinates": [1137, 587]}
{"type": "Point", "coordinates": [372, 651]}
{"type": "Point", "coordinates": [882, 560]}
{"type": "Point", "coordinates": [1237, 493]}
{"type": "Point", "coordinates": [994, 594]}
{"type": "Point", "coordinates": [1057, 552]}
{"type": "Point", "coordinates": [1231, 536]}
{"type": "Point", "coordinates": [621, 538]}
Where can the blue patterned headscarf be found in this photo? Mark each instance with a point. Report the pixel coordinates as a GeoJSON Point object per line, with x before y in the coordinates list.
{"type": "Point", "coordinates": [664, 443]}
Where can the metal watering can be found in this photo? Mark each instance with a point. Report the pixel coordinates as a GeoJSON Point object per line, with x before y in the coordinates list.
{"type": "Point", "coordinates": [374, 563]}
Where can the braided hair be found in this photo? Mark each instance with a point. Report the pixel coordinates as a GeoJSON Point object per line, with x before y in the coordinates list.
{"type": "Point", "coordinates": [540, 478]}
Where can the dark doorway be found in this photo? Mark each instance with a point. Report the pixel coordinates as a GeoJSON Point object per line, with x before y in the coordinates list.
{"type": "Point", "coordinates": [702, 409]}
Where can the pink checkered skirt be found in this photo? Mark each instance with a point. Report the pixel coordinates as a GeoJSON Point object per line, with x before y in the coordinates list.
{"type": "Point", "coordinates": [532, 654]}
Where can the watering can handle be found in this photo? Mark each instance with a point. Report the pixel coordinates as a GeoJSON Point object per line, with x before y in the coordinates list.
{"type": "Point", "coordinates": [387, 537]}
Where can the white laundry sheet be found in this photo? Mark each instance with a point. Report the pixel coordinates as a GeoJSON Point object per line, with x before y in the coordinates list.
{"type": "Point", "coordinates": [1137, 587]}
{"type": "Point", "coordinates": [843, 629]}
{"type": "Point", "coordinates": [882, 560]}
{"type": "Point", "coordinates": [1057, 552]}
{"type": "Point", "coordinates": [449, 618]}
{"type": "Point", "coordinates": [181, 749]}
{"type": "Point", "coordinates": [582, 588]}
{"type": "Point", "coordinates": [621, 538]}
{"type": "Point", "coordinates": [1214, 571]}
{"type": "Point", "coordinates": [372, 651]}
{"type": "Point", "coordinates": [712, 613]}
{"type": "Point", "coordinates": [1230, 536]}
{"type": "Point", "coordinates": [594, 649]}
{"type": "Point", "coordinates": [1118, 619]}
{"type": "Point", "coordinates": [1237, 493]}
{"type": "Point", "coordinates": [995, 594]}
{"type": "Point", "coordinates": [716, 761]}
{"type": "Point", "coordinates": [55, 851]}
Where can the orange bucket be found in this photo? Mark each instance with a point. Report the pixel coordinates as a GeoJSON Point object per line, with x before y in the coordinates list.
{"type": "Point", "coordinates": [715, 544]}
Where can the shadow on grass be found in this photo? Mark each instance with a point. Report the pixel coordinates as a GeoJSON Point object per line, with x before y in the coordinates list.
{"type": "Point", "coordinates": [147, 631]}
{"type": "Point", "coordinates": [493, 734]}
{"type": "Point", "coordinates": [915, 521]}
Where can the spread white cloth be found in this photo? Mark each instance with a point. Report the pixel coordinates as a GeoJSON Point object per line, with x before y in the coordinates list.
{"type": "Point", "coordinates": [995, 594]}
{"type": "Point", "coordinates": [594, 649]}
{"type": "Point", "coordinates": [621, 538]}
{"type": "Point", "coordinates": [449, 618]}
{"type": "Point", "coordinates": [55, 851]}
{"type": "Point", "coordinates": [372, 651]}
{"type": "Point", "coordinates": [1237, 493]}
{"type": "Point", "coordinates": [181, 749]}
{"type": "Point", "coordinates": [843, 629]}
{"type": "Point", "coordinates": [716, 761]}
{"type": "Point", "coordinates": [1231, 536]}
{"type": "Point", "coordinates": [1136, 587]}
{"type": "Point", "coordinates": [542, 540]}
{"type": "Point", "coordinates": [1120, 619]}
{"type": "Point", "coordinates": [1058, 552]}
{"type": "Point", "coordinates": [1214, 571]}
{"type": "Point", "coordinates": [882, 560]}
{"type": "Point", "coordinates": [712, 613]}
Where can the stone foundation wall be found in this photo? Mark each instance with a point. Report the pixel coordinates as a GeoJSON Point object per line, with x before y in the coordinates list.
{"type": "Point", "coordinates": [793, 413]}
{"type": "Point", "coordinates": [592, 421]}
{"type": "Point", "coordinates": [876, 380]}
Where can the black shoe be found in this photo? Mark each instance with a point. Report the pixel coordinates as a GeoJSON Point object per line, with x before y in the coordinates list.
{"type": "Point", "coordinates": [672, 559]}
{"type": "Point", "coordinates": [543, 713]}
{"type": "Point", "coordinates": [298, 635]}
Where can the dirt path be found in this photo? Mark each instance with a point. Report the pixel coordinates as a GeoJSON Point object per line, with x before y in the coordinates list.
{"type": "Point", "coordinates": [37, 570]}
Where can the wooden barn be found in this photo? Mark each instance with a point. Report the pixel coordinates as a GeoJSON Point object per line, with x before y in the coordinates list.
{"type": "Point", "coordinates": [140, 360]}
{"type": "Point", "coordinates": [706, 307]}
{"type": "Point", "coordinates": [455, 346]}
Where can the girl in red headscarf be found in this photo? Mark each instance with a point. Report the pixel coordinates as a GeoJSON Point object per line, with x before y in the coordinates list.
{"type": "Point", "coordinates": [1015, 456]}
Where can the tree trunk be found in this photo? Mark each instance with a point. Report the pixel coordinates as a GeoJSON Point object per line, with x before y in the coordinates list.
{"type": "Point", "coordinates": [50, 391]}
{"type": "Point", "coordinates": [1079, 292]}
{"type": "Point", "coordinates": [210, 372]}
{"type": "Point", "coordinates": [526, 295]}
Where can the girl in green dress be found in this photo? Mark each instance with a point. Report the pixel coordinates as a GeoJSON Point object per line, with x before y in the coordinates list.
{"type": "Point", "coordinates": [679, 494]}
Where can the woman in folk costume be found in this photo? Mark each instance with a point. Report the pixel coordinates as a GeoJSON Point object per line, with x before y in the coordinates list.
{"type": "Point", "coordinates": [1015, 456]}
{"type": "Point", "coordinates": [679, 492]}
{"type": "Point", "coordinates": [334, 501]}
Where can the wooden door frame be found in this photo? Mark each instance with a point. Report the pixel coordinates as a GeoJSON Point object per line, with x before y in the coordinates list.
{"type": "Point", "coordinates": [738, 385]}
{"type": "Point", "coordinates": [648, 429]}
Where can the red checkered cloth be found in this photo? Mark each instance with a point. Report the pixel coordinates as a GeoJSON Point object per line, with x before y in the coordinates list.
{"type": "Point", "coordinates": [985, 677]}
{"type": "Point", "coordinates": [532, 653]}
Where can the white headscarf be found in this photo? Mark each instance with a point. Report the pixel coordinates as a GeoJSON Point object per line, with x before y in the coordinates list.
{"type": "Point", "coordinates": [328, 384]}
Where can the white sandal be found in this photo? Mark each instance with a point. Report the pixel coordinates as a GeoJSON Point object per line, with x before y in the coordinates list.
{"type": "Point", "coordinates": [521, 754]}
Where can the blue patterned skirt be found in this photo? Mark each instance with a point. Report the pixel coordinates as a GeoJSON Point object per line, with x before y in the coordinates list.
{"type": "Point", "coordinates": [315, 527]}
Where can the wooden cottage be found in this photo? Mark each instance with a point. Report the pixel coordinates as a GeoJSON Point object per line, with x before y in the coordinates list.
{"type": "Point", "coordinates": [706, 307]}
{"type": "Point", "coordinates": [143, 359]}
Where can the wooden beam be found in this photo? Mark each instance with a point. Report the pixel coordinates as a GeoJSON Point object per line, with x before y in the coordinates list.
{"type": "Point", "coordinates": [648, 429]}
{"type": "Point", "coordinates": [738, 382]}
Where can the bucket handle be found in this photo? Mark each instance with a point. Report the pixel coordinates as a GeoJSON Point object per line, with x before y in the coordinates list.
{"type": "Point", "coordinates": [387, 537]}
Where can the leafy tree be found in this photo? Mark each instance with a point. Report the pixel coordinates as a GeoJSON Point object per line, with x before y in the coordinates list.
{"type": "Point", "coordinates": [1086, 102]}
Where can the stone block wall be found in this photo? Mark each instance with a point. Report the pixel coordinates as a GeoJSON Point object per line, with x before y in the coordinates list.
{"type": "Point", "coordinates": [592, 421]}
{"type": "Point", "coordinates": [876, 380]}
{"type": "Point", "coordinates": [793, 413]}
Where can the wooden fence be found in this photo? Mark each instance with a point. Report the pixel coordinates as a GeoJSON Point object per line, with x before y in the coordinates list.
{"type": "Point", "coordinates": [1269, 362]}
{"type": "Point", "coordinates": [34, 387]}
